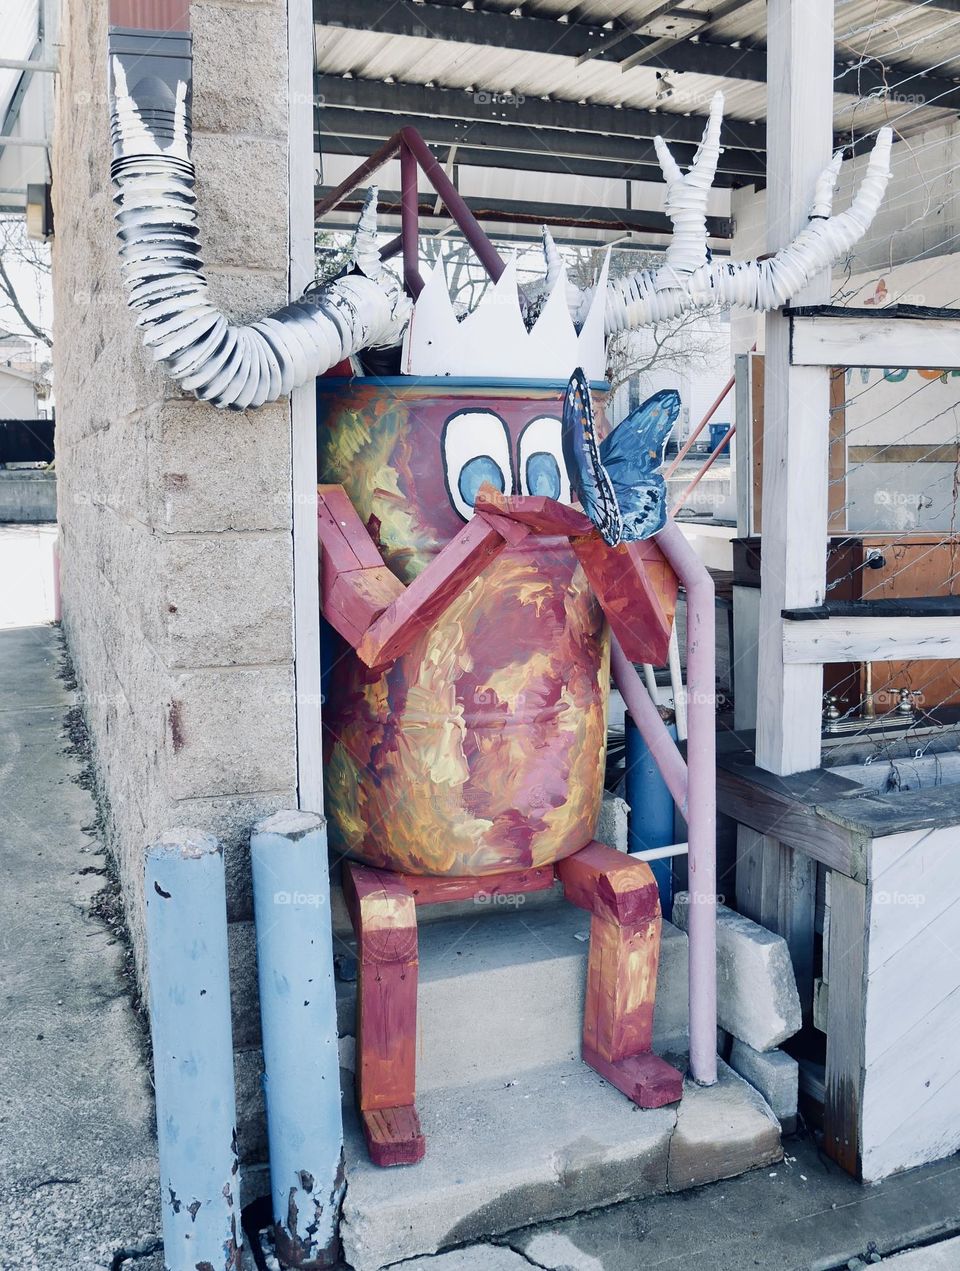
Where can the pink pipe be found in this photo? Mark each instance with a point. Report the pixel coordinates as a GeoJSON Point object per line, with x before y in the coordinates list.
{"type": "Point", "coordinates": [702, 798]}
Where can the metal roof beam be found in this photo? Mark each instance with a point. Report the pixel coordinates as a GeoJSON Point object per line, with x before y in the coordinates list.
{"type": "Point", "coordinates": [552, 144]}
{"type": "Point", "coordinates": [351, 141]}
{"type": "Point", "coordinates": [532, 112]}
{"type": "Point", "coordinates": [491, 29]}
{"type": "Point", "coordinates": [524, 212]}
{"type": "Point", "coordinates": [642, 56]}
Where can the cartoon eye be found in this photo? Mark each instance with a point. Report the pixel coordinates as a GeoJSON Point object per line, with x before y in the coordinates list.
{"type": "Point", "coordinates": [542, 469]}
{"type": "Point", "coordinates": [476, 448]}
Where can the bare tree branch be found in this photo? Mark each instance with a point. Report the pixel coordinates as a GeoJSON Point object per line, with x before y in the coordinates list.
{"type": "Point", "coordinates": [14, 245]}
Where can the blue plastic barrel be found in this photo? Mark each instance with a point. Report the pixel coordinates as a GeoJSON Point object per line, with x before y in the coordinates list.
{"type": "Point", "coordinates": [717, 434]}
{"type": "Point", "coordinates": [651, 808]}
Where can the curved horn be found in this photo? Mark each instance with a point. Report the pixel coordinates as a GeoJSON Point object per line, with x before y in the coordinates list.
{"type": "Point", "coordinates": [229, 364]}
{"type": "Point", "coordinates": [690, 280]}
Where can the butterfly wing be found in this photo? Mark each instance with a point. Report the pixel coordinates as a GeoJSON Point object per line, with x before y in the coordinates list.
{"type": "Point", "coordinates": [631, 456]}
{"type": "Point", "coordinates": [581, 453]}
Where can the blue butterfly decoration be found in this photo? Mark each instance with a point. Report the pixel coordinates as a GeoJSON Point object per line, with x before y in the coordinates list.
{"type": "Point", "coordinates": [616, 479]}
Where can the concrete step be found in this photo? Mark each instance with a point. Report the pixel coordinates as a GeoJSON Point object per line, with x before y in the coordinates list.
{"type": "Point", "coordinates": [503, 995]}
{"type": "Point", "coordinates": [551, 1142]}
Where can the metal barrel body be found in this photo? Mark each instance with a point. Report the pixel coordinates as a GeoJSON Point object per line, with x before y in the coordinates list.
{"type": "Point", "coordinates": [482, 748]}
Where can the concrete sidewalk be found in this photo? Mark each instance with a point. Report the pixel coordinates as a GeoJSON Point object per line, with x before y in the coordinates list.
{"type": "Point", "coordinates": [78, 1174]}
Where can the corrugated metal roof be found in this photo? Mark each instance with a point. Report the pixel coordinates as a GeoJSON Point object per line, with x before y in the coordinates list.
{"type": "Point", "coordinates": [895, 59]}
{"type": "Point", "coordinates": [873, 32]}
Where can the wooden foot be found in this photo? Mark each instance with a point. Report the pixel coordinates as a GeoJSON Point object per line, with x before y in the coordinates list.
{"type": "Point", "coordinates": [385, 921]}
{"type": "Point", "coordinates": [646, 1079]}
{"type": "Point", "coordinates": [393, 1136]}
{"type": "Point", "coordinates": [621, 895]}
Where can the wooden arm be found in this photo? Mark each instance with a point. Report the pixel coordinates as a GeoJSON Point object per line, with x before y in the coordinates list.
{"type": "Point", "coordinates": [637, 591]}
{"type": "Point", "coordinates": [366, 603]}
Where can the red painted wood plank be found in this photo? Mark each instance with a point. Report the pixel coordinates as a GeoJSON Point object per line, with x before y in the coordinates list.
{"type": "Point", "coordinates": [386, 1034]}
{"type": "Point", "coordinates": [540, 514]}
{"type": "Point", "coordinates": [637, 591]}
{"type": "Point", "coordinates": [385, 921]}
{"type": "Point", "coordinates": [436, 891]}
{"type": "Point", "coordinates": [512, 531]}
{"type": "Point", "coordinates": [648, 1080]}
{"type": "Point", "coordinates": [610, 884]}
{"type": "Point", "coordinates": [353, 601]}
{"type": "Point", "coordinates": [621, 972]}
{"type": "Point", "coordinates": [450, 572]}
{"type": "Point", "coordinates": [621, 987]}
{"type": "Point", "coordinates": [393, 1136]}
{"type": "Point", "coordinates": [342, 519]}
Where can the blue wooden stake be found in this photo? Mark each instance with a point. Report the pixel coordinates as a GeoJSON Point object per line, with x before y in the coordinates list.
{"type": "Point", "coordinates": [291, 894]}
{"type": "Point", "coordinates": [192, 1051]}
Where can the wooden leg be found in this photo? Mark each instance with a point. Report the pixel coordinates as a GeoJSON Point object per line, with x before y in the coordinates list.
{"type": "Point", "coordinates": [385, 922]}
{"type": "Point", "coordinates": [621, 894]}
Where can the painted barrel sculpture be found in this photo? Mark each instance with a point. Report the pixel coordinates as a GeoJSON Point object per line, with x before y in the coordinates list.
{"type": "Point", "coordinates": [482, 748]}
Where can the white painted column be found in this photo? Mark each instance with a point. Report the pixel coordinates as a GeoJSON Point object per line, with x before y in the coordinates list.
{"type": "Point", "coordinates": [796, 440]}
{"type": "Point", "coordinates": [303, 415]}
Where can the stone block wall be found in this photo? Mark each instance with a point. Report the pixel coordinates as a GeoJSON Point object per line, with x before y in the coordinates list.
{"type": "Point", "coordinates": [175, 518]}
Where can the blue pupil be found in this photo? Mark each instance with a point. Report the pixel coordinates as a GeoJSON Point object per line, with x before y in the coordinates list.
{"type": "Point", "coordinates": [543, 475]}
{"type": "Point", "coordinates": [473, 474]}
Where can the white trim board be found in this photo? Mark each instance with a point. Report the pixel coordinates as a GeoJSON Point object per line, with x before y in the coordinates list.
{"type": "Point", "coordinates": [881, 342]}
{"type": "Point", "coordinates": [822, 640]}
{"type": "Point", "coordinates": [303, 416]}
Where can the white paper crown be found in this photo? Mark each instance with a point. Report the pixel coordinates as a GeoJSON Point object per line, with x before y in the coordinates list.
{"type": "Point", "coordinates": [492, 341]}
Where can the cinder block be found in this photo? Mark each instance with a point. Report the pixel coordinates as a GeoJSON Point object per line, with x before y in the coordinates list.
{"type": "Point", "coordinates": [612, 822]}
{"type": "Point", "coordinates": [227, 599]}
{"type": "Point", "coordinates": [821, 1002]}
{"type": "Point", "coordinates": [137, 461]}
{"type": "Point", "coordinates": [231, 732]}
{"type": "Point", "coordinates": [233, 818]}
{"type": "Point", "coordinates": [244, 990]}
{"type": "Point", "coordinates": [231, 91]}
{"type": "Point", "coordinates": [757, 999]}
{"type": "Point", "coordinates": [774, 1073]}
{"type": "Point", "coordinates": [250, 230]}
{"type": "Point", "coordinates": [251, 1109]}
{"type": "Point", "coordinates": [220, 470]}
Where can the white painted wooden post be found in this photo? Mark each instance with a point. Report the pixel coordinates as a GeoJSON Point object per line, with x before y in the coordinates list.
{"type": "Point", "coordinates": [795, 445]}
{"type": "Point", "coordinates": [303, 412]}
